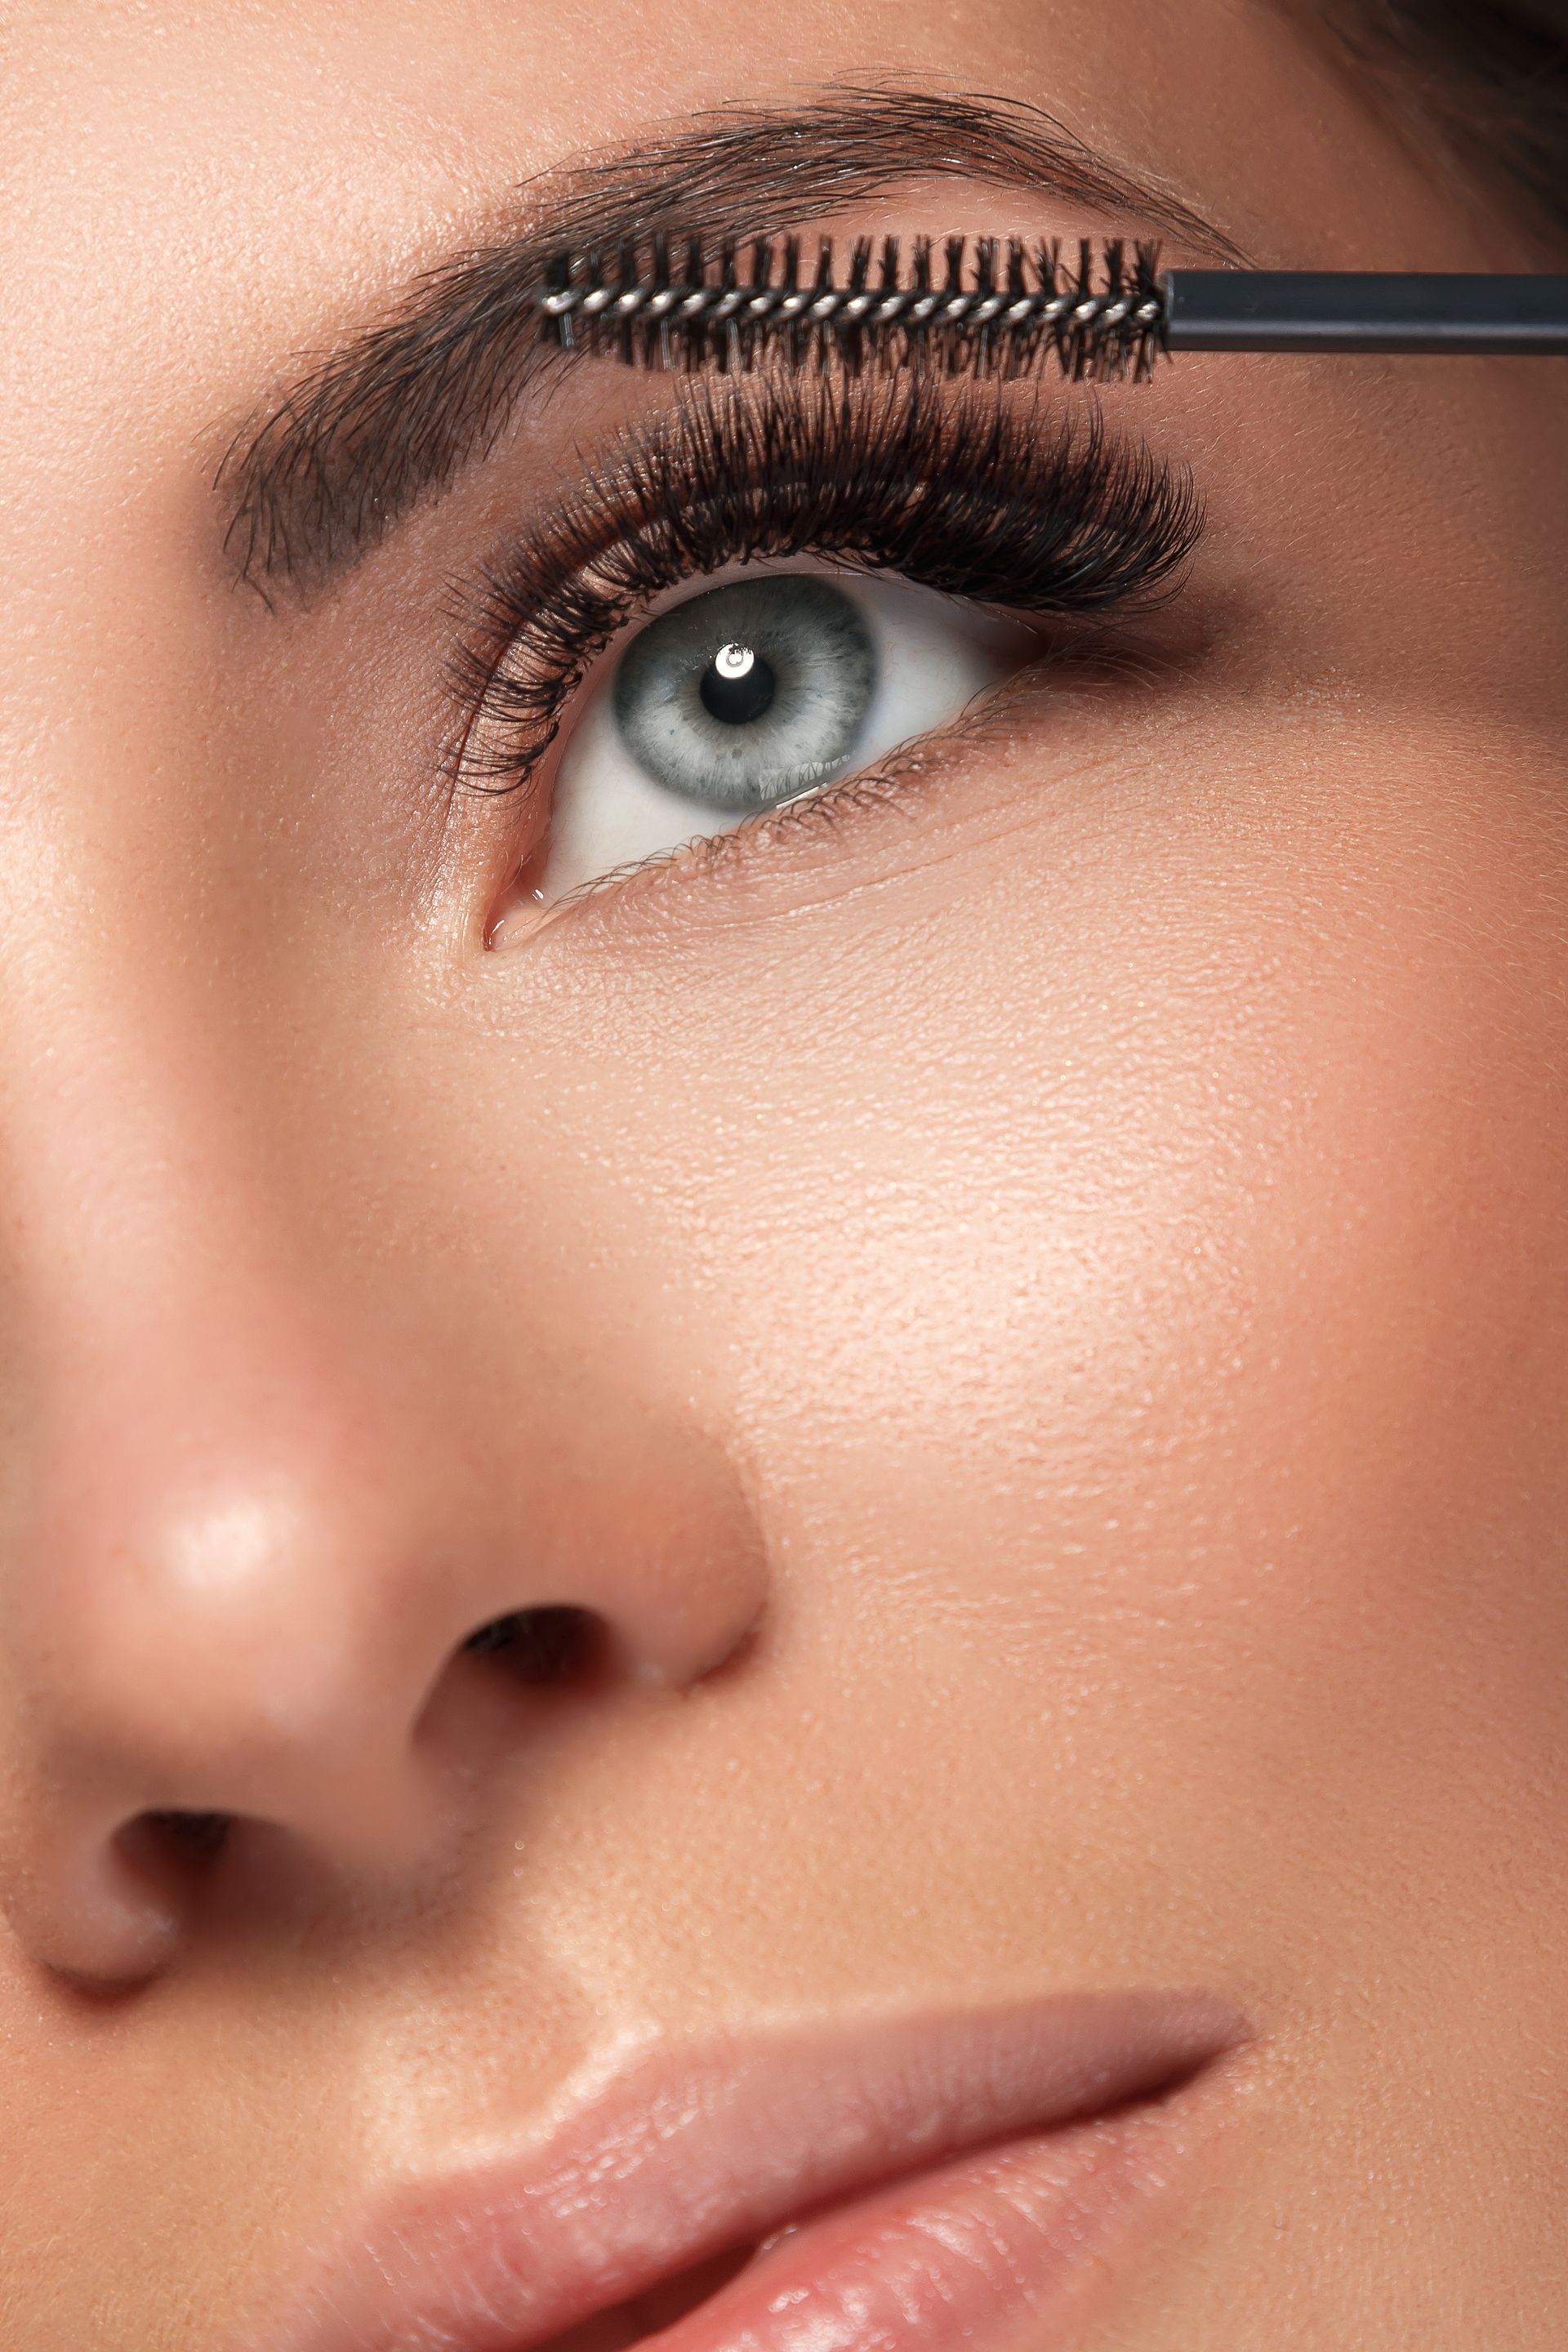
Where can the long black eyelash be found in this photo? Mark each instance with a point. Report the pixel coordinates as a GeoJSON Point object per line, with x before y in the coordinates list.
{"type": "Point", "coordinates": [1041, 512]}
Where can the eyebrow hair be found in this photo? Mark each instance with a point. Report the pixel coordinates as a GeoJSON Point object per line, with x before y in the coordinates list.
{"type": "Point", "coordinates": [392, 415]}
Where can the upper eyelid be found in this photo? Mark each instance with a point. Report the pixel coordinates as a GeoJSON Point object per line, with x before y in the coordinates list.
{"type": "Point", "coordinates": [1147, 509]}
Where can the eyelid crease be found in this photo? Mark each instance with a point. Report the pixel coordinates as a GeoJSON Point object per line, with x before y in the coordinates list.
{"type": "Point", "coordinates": [1018, 504]}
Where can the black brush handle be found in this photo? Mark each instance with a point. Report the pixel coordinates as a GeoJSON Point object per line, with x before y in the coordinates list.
{"type": "Point", "coordinates": [1353, 310]}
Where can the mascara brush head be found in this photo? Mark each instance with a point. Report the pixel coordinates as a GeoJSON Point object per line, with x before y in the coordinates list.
{"type": "Point", "coordinates": [982, 306]}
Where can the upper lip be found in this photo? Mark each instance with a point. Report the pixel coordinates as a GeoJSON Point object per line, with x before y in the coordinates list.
{"type": "Point", "coordinates": [685, 2151]}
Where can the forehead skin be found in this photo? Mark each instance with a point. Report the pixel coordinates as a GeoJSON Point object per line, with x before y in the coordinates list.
{"type": "Point", "coordinates": [1040, 1327]}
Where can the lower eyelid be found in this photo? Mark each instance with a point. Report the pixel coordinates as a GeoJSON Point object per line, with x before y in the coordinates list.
{"type": "Point", "coordinates": [891, 789]}
{"type": "Point", "coordinates": [898, 787]}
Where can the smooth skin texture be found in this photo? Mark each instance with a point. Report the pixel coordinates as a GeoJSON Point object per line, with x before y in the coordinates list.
{"type": "Point", "coordinates": [1037, 1316]}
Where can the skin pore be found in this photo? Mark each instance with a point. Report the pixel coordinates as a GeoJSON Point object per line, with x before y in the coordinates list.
{"type": "Point", "coordinates": [1032, 1314]}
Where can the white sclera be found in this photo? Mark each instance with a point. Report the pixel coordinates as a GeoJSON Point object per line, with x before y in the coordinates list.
{"type": "Point", "coordinates": [934, 655]}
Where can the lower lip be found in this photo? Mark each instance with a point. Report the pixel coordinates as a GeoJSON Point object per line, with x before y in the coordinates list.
{"type": "Point", "coordinates": [984, 2253]}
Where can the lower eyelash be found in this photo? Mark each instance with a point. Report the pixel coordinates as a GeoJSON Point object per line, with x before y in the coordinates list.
{"type": "Point", "coordinates": [969, 490]}
{"type": "Point", "coordinates": [884, 789]}
{"type": "Point", "coordinates": [824, 810]}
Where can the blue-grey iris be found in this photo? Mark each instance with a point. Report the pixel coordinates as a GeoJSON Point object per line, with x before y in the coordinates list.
{"type": "Point", "coordinates": [748, 694]}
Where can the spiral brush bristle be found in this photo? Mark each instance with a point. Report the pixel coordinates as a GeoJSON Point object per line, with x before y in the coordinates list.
{"type": "Point", "coordinates": [1001, 307]}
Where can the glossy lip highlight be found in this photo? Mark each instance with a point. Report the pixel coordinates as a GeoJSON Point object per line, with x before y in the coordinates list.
{"type": "Point", "coordinates": [686, 2152]}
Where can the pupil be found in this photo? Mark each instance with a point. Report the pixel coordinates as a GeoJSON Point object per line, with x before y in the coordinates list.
{"type": "Point", "coordinates": [737, 685]}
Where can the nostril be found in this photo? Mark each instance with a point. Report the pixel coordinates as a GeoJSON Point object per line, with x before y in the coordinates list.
{"type": "Point", "coordinates": [539, 1646]}
{"type": "Point", "coordinates": [195, 1837]}
{"type": "Point", "coordinates": [170, 1854]}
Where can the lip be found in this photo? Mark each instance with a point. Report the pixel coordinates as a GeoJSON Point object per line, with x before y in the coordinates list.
{"type": "Point", "coordinates": [851, 2149]}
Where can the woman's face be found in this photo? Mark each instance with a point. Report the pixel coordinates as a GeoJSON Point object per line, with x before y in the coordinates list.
{"type": "Point", "coordinates": [1023, 1304]}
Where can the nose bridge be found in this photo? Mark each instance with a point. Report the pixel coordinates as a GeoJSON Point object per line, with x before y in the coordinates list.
{"type": "Point", "coordinates": [200, 1468]}
{"type": "Point", "coordinates": [129, 1159]}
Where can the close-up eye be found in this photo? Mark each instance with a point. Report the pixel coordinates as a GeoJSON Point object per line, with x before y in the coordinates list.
{"type": "Point", "coordinates": [747, 695]}
{"type": "Point", "coordinates": [766, 592]}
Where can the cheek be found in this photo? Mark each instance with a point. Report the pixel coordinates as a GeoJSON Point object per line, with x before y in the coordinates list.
{"type": "Point", "coordinates": [1138, 1242]}
{"type": "Point", "coordinates": [1229, 1096]}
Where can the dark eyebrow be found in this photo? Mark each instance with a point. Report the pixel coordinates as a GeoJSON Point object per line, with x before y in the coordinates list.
{"type": "Point", "coordinates": [391, 417]}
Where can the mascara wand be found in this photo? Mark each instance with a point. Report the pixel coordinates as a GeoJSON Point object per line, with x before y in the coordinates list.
{"type": "Point", "coordinates": [1003, 305]}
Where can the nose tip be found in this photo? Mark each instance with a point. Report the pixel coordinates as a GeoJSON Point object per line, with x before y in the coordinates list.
{"type": "Point", "coordinates": [245, 1615]}
{"type": "Point", "coordinates": [211, 1655]}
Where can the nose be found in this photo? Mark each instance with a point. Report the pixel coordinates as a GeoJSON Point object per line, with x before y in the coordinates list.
{"type": "Point", "coordinates": [285, 1562]}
